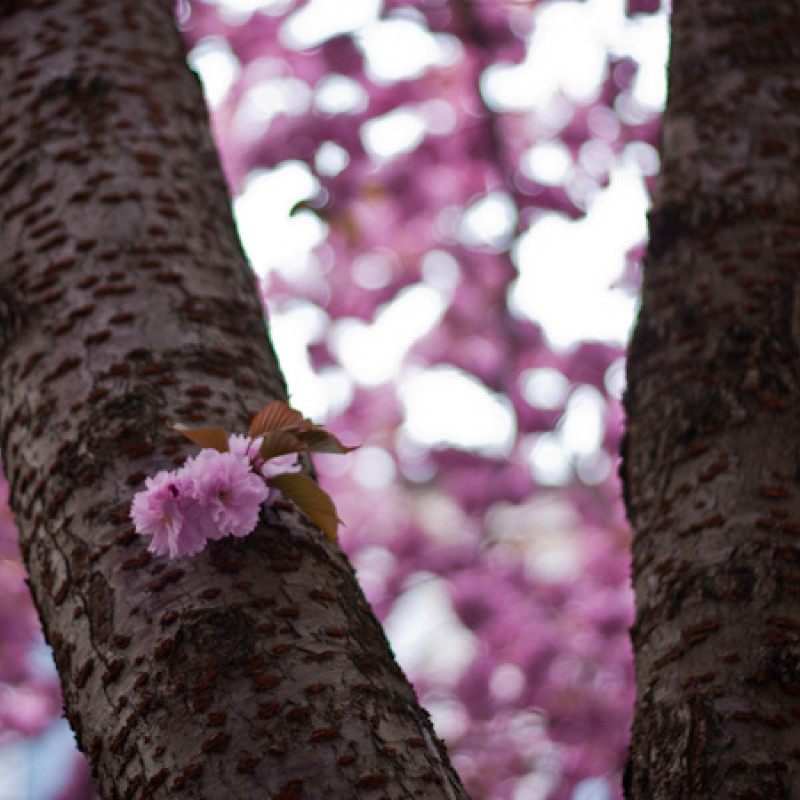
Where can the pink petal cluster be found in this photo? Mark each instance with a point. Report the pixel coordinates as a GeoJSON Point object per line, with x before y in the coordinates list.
{"type": "Point", "coordinates": [213, 495]}
{"type": "Point", "coordinates": [245, 447]}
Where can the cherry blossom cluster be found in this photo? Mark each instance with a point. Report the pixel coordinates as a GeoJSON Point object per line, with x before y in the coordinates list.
{"type": "Point", "coordinates": [220, 491]}
{"type": "Point", "coordinates": [212, 495]}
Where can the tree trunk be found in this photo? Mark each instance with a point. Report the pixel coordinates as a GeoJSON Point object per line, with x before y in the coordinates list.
{"type": "Point", "coordinates": [712, 464]}
{"type": "Point", "coordinates": [255, 669]}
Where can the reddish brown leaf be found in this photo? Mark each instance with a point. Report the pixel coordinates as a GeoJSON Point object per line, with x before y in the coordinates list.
{"type": "Point", "coordinates": [216, 438]}
{"type": "Point", "coordinates": [320, 441]}
{"type": "Point", "coordinates": [310, 499]}
{"type": "Point", "coordinates": [279, 443]}
{"type": "Point", "coordinates": [277, 416]}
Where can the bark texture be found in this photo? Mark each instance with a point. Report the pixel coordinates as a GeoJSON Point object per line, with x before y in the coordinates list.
{"type": "Point", "coordinates": [255, 669]}
{"type": "Point", "coordinates": [712, 459]}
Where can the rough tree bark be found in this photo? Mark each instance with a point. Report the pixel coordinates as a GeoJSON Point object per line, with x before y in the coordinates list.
{"type": "Point", "coordinates": [712, 461]}
{"type": "Point", "coordinates": [256, 669]}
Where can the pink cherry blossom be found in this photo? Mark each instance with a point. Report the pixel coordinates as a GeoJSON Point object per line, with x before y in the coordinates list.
{"type": "Point", "coordinates": [280, 465]}
{"type": "Point", "coordinates": [223, 485]}
{"type": "Point", "coordinates": [213, 495]}
{"type": "Point", "coordinates": [166, 511]}
{"type": "Point", "coordinates": [244, 447]}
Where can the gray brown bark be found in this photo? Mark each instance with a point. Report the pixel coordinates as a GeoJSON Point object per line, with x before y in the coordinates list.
{"type": "Point", "coordinates": [712, 460]}
{"type": "Point", "coordinates": [255, 669]}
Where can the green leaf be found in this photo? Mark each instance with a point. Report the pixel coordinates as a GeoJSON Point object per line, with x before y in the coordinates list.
{"type": "Point", "coordinates": [310, 499]}
{"type": "Point", "coordinates": [279, 443]}
{"type": "Point", "coordinates": [277, 416]}
{"type": "Point", "coordinates": [320, 441]}
{"type": "Point", "coordinates": [216, 438]}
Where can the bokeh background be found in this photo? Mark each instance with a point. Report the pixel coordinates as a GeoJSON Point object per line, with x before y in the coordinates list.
{"type": "Point", "coordinates": [445, 201]}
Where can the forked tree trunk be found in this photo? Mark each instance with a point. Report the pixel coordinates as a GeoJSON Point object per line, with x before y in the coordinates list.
{"type": "Point", "coordinates": [255, 669]}
{"type": "Point", "coordinates": [712, 459]}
